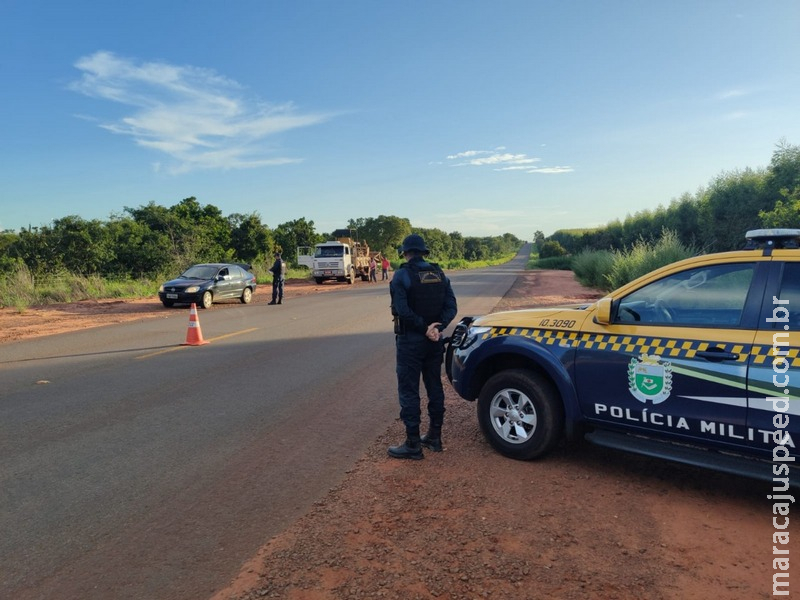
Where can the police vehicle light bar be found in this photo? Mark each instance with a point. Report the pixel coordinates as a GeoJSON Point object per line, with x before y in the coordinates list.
{"type": "Point", "coordinates": [773, 238]}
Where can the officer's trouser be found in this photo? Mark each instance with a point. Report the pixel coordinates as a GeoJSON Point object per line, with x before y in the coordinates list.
{"type": "Point", "coordinates": [277, 290]}
{"type": "Point", "coordinates": [417, 357]}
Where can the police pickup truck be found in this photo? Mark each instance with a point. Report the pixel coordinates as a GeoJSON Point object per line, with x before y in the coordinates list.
{"type": "Point", "coordinates": [695, 362]}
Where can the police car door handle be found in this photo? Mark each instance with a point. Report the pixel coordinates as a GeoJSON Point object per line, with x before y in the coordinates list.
{"type": "Point", "coordinates": [717, 355]}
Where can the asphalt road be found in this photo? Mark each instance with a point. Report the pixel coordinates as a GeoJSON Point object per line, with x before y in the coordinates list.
{"type": "Point", "coordinates": [136, 468]}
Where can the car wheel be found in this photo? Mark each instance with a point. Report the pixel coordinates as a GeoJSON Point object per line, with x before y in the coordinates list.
{"type": "Point", "coordinates": [168, 303]}
{"type": "Point", "coordinates": [520, 414]}
{"type": "Point", "coordinates": [247, 295]}
{"type": "Point", "coordinates": [207, 300]}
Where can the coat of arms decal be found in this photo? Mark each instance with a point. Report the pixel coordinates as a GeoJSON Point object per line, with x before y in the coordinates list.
{"type": "Point", "coordinates": [650, 379]}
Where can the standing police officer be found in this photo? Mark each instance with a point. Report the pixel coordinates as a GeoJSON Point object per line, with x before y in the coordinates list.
{"type": "Point", "coordinates": [423, 305]}
{"type": "Point", "coordinates": [278, 270]}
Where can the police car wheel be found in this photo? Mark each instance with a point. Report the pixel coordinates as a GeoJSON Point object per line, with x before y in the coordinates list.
{"type": "Point", "coordinates": [520, 414]}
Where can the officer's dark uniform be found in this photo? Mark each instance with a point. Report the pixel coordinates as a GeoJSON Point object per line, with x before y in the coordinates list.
{"type": "Point", "coordinates": [278, 270]}
{"type": "Point", "coordinates": [421, 295]}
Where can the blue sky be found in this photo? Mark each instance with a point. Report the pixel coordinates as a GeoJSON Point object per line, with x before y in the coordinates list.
{"type": "Point", "coordinates": [483, 117]}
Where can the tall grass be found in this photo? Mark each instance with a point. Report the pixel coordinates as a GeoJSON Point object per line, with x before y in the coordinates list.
{"type": "Point", "coordinates": [591, 268]}
{"type": "Point", "coordinates": [19, 288]}
{"type": "Point", "coordinates": [553, 263]}
{"type": "Point", "coordinates": [644, 257]}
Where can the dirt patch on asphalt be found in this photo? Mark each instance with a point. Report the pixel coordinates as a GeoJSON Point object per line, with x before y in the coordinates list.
{"type": "Point", "coordinates": [467, 523]}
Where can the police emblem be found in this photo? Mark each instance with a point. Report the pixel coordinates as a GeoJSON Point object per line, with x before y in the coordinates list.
{"type": "Point", "coordinates": [650, 379]}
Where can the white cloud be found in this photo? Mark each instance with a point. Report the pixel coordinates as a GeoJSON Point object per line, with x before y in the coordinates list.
{"type": "Point", "coordinates": [198, 118]}
{"type": "Point", "coordinates": [733, 93]}
{"type": "Point", "coordinates": [502, 161]}
{"type": "Point", "coordinates": [564, 169]}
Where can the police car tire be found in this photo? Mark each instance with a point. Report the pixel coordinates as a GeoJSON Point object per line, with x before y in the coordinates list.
{"type": "Point", "coordinates": [544, 413]}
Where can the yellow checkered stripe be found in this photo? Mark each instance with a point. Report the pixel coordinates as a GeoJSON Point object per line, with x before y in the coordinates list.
{"type": "Point", "coordinates": [764, 355]}
{"type": "Point", "coordinates": [635, 345]}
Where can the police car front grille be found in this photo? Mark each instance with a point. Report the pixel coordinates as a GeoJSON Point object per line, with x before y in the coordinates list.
{"type": "Point", "coordinates": [459, 333]}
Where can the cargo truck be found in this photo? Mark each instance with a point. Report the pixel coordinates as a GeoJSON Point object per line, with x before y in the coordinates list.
{"type": "Point", "coordinates": [342, 259]}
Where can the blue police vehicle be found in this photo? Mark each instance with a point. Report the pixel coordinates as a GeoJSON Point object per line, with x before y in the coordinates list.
{"type": "Point", "coordinates": [695, 362]}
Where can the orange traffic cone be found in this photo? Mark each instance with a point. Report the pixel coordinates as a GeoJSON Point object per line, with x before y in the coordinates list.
{"type": "Point", "coordinates": [194, 336]}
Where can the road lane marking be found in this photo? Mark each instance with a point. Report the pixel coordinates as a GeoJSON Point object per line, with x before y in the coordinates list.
{"type": "Point", "coordinates": [214, 339]}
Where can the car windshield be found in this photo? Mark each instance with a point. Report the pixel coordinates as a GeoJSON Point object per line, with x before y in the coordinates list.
{"type": "Point", "coordinates": [199, 272]}
{"type": "Point", "coordinates": [328, 252]}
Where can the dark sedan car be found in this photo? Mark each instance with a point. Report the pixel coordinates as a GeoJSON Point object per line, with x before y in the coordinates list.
{"type": "Point", "coordinates": [208, 283]}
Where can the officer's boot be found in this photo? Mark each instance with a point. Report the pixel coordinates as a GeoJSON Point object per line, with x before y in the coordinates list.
{"type": "Point", "coordinates": [433, 439]}
{"type": "Point", "coordinates": [411, 448]}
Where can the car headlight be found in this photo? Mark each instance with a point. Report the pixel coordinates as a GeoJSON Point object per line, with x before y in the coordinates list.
{"type": "Point", "coordinates": [473, 333]}
{"type": "Point", "coordinates": [161, 289]}
{"type": "Point", "coordinates": [192, 289]}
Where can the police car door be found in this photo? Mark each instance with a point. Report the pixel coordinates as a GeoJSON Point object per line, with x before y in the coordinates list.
{"type": "Point", "coordinates": [774, 376]}
{"type": "Point", "coordinates": [673, 360]}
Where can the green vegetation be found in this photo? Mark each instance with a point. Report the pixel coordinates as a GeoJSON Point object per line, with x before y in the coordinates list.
{"type": "Point", "coordinates": [131, 255]}
{"type": "Point", "coordinates": [644, 257]}
{"type": "Point", "coordinates": [715, 219]}
{"type": "Point", "coordinates": [592, 267]}
{"type": "Point", "coordinates": [554, 263]}
{"type": "Point", "coordinates": [608, 270]}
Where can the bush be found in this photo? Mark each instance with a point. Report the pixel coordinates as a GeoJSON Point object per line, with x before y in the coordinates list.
{"type": "Point", "coordinates": [591, 268]}
{"type": "Point", "coordinates": [550, 249]}
{"type": "Point", "coordinates": [644, 257]}
{"type": "Point", "coordinates": [554, 263]}
{"type": "Point", "coordinates": [17, 288]}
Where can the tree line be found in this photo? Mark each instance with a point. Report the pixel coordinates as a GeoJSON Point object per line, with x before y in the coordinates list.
{"type": "Point", "coordinates": [150, 241]}
{"type": "Point", "coordinates": [714, 219]}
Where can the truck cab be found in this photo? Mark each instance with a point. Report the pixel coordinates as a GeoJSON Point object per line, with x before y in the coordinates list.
{"type": "Point", "coordinates": [333, 260]}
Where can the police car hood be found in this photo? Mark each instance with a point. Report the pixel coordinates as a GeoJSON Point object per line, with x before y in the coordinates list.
{"type": "Point", "coordinates": [532, 317]}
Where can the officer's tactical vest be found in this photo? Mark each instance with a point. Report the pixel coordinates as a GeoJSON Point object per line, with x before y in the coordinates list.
{"type": "Point", "coordinates": [427, 293]}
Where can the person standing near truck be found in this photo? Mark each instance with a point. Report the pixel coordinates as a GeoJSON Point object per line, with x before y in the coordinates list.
{"type": "Point", "coordinates": [423, 305]}
{"type": "Point", "coordinates": [373, 267]}
{"type": "Point", "coordinates": [384, 268]}
{"type": "Point", "coordinates": [278, 270]}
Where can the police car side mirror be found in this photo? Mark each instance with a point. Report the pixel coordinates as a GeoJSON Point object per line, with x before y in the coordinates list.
{"type": "Point", "coordinates": [603, 313]}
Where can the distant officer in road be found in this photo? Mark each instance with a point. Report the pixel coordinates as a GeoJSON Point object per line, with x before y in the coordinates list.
{"type": "Point", "coordinates": [278, 270]}
{"type": "Point", "coordinates": [423, 305]}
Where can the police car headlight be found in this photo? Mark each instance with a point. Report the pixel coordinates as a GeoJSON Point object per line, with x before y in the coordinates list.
{"type": "Point", "coordinates": [473, 334]}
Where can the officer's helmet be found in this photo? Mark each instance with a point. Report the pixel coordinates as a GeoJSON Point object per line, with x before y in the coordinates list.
{"type": "Point", "coordinates": [414, 243]}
